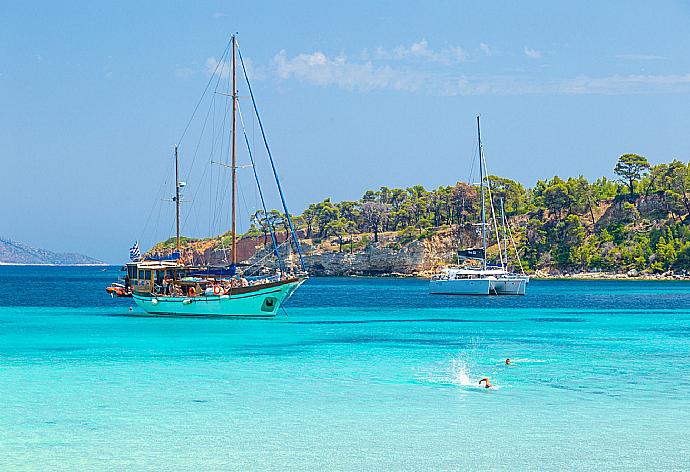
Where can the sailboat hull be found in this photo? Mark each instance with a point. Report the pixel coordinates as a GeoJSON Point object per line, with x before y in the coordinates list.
{"type": "Point", "coordinates": [260, 303]}
{"type": "Point", "coordinates": [478, 286]}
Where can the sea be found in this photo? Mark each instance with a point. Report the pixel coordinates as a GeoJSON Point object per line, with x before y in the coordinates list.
{"type": "Point", "coordinates": [354, 374]}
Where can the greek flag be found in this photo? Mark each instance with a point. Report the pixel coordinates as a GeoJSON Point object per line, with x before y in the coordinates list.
{"type": "Point", "coordinates": [134, 253]}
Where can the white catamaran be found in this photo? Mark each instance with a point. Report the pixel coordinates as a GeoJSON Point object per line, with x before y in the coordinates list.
{"type": "Point", "coordinates": [484, 279]}
{"type": "Point", "coordinates": [168, 286]}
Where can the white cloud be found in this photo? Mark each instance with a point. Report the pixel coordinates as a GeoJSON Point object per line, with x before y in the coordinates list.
{"type": "Point", "coordinates": [420, 51]}
{"type": "Point", "coordinates": [319, 69]}
{"type": "Point", "coordinates": [214, 66]}
{"type": "Point", "coordinates": [184, 72]}
{"type": "Point", "coordinates": [486, 49]}
{"type": "Point", "coordinates": [532, 53]}
{"type": "Point", "coordinates": [218, 15]}
{"type": "Point", "coordinates": [626, 84]}
{"type": "Point", "coordinates": [640, 57]}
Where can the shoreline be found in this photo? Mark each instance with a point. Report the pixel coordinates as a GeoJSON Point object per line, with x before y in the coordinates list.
{"type": "Point", "coordinates": [13, 264]}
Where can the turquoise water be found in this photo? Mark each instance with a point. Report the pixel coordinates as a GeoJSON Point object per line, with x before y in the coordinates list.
{"type": "Point", "coordinates": [357, 374]}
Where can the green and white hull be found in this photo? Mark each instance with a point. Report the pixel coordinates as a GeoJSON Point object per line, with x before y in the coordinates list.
{"type": "Point", "coordinates": [261, 301]}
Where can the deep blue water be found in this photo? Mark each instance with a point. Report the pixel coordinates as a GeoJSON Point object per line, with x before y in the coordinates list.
{"type": "Point", "coordinates": [356, 374]}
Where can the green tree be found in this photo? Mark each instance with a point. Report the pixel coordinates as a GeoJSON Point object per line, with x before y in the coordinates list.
{"type": "Point", "coordinates": [630, 168]}
{"type": "Point", "coordinates": [339, 229]}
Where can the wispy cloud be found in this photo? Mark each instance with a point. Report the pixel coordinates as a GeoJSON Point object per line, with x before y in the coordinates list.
{"type": "Point", "coordinates": [420, 50]}
{"type": "Point", "coordinates": [319, 69]}
{"type": "Point", "coordinates": [218, 15]}
{"type": "Point", "coordinates": [532, 53]}
{"type": "Point", "coordinates": [640, 57]}
{"type": "Point", "coordinates": [185, 72]}
{"type": "Point", "coordinates": [486, 49]}
{"type": "Point", "coordinates": [627, 84]}
{"type": "Point", "coordinates": [214, 66]}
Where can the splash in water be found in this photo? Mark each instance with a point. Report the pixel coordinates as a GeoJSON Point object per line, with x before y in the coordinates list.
{"type": "Point", "coordinates": [458, 372]}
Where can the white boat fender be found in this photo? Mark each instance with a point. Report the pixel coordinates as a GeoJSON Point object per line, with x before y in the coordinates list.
{"type": "Point", "coordinates": [154, 301]}
{"type": "Point", "coordinates": [186, 301]}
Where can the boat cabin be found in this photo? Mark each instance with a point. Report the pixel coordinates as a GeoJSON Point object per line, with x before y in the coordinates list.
{"type": "Point", "coordinates": [144, 276]}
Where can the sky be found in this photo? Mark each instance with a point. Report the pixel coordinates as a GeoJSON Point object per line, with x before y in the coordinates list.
{"type": "Point", "coordinates": [353, 95]}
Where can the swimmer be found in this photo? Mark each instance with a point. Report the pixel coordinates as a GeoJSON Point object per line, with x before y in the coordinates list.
{"type": "Point", "coordinates": [487, 382]}
{"type": "Point", "coordinates": [507, 361]}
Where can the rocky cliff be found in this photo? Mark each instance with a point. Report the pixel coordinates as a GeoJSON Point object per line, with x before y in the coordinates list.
{"type": "Point", "coordinates": [391, 255]}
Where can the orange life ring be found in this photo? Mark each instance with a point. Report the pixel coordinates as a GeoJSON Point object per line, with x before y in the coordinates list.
{"type": "Point", "coordinates": [191, 292]}
{"type": "Point", "coordinates": [217, 290]}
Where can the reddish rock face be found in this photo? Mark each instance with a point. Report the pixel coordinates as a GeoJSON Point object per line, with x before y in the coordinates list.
{"type": "Point", "coordinates": [387, 257]}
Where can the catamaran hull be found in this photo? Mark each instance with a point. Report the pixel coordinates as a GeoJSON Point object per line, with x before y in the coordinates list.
{"type": "Point", "coordinates": [263, 303]}
{"type": "Point", "coordinates": [462, 287]}
{"type": "Point", "coordinates": [511, 286]}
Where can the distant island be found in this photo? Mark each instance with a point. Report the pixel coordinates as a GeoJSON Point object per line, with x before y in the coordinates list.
{"type": "Point", "coordinates": [17, 253]}
{"type": "Point", "coordinates": [635, 226]}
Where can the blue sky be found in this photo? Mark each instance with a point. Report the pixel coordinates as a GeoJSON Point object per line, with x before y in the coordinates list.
{"type": "Point", "coordinates": [354, 95]}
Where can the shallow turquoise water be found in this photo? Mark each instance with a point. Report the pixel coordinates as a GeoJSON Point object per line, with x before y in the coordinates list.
{"type": "Point", "coordinates": [358, 374]}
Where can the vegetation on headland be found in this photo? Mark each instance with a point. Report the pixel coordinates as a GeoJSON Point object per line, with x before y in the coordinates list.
{"type": "Point", "coordinates": [637, 223]}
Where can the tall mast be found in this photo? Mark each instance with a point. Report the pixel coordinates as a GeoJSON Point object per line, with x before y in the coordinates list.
{"type": "Point", "coordinates": [177, 198]}
{"type": "Point", "coordinates": [505, 236]}
{"type": "Point", "coordinates": [481, 190]}
{"type": "Point", "coordinates": [234, 157]}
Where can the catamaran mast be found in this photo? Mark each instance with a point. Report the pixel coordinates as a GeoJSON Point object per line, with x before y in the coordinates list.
{"type": "Point", "coordinates": [234, 162]}
{"type": "Point", "coordinates": [505, 236]}
{"type": "Point", "coordinates": [177, 199]}
{"type": "Point", "coordinates": [481, 190]}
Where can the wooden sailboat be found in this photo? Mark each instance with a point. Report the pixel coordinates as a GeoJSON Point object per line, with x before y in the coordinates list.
{"type": "Point", "coordinates": [167, 286]}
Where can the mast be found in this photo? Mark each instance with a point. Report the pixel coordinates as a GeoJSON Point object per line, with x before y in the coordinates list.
{"type": "Point", "coordinates": [177, 198]}
{"type": "Point", "coordinates": [234, 157]}
{"type": "Point", "coordinates": [481, 187]}
{"type": "Point", "coordinates": [505, 236]}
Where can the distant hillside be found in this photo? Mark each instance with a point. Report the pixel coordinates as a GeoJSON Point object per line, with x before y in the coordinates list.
{"type": "Point", "coordinates": [14, 252]}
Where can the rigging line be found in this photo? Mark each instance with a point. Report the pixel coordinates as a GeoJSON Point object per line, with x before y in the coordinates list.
{"type": "Point", "coordinates": [160, 209]}
{"type": "Point", "coordinates": [158, 195]}
{"type": "Point", "coordinates": [493, 214]}
{"type": "Point", "coordinates": [261, 261]}
{"type": "Point", "coordinates": [196, 193]}
{"type": "Point", "coordinates": [189, 173]}
{"type": "Point", "coordinates": [517, 254]}
{"type": "Point", "coordinates": [244, 199]}
{"type": "Point", "coordinates": [270, 156]}
{"type": "Point", "coordinates": [225, 52]}
{"type": "Point", "coordinates": [258, 185]}
{"type": "Point", "coordinates": [215, 135]}
{"type": "Point", "coordinates": [220, 136]}
{"type": "Point", "coordinates": [474, 154]}
{"type": "Point", "coordinates": [198, 144]}
{"type": "Point", "coordinates": [217, 218]}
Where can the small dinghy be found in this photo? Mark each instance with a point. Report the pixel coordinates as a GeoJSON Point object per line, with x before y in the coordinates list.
{"type": "Point", "coordinates": [118, 290]}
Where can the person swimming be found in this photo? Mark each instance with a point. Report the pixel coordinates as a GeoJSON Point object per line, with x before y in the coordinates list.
{"type": "Point", "coordinates": [487, 382]}
{"type": "Point", "coordinates": [508, 361]}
